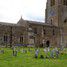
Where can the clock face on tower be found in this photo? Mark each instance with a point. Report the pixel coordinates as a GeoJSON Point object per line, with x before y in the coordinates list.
{"type": "Point", "coordinates": [52, 13]}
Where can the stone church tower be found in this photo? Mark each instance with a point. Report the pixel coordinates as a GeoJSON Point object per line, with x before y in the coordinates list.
{"type": "Point", "coordinates": [56, 14]}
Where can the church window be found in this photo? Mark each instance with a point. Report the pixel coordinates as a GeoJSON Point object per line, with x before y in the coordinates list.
{"type": "Point", "coordinates": [35, 30]}
{"type": "Point", "coordinates": [65, 20]}
{"type": "Point", "coordinates": [21, 39]}
{"type": "Point", "coordinates": [5, 38]}
{"type": "Point", "coordinates": [51, 21]}
{"type": "Point", "coordinates": [44, 31]}
{"type": "Point", "coordinates": [65, 2]}
{"type": "Point", "coordinates": [53, 32]}
{"type": "Point", "coordinates": [52, 2]}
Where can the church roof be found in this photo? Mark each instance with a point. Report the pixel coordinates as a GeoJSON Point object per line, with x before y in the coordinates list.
{"type": "Point", "coordinates": [20, 21]}
{"type": "Point", "coordinates": [23, 22]}
{"type": "Point", "coordinates": [40, 23]}
{"type": "Point", "coordinates": [8, 24]}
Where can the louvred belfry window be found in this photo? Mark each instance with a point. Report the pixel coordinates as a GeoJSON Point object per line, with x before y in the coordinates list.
{"type": "Point", "coordinates": [65, 2]}
{"type": "Point", "coordinates": [52, 2]}
{"type": "Point", "coordinates": [65, 20]}
{"type": "Point", "coordinates": [53, 32]}
{"type": "Point", "coordinates": [44, 31]}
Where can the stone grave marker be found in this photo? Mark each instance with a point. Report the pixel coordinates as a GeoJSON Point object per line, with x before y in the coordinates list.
{"type": "Point", "coordinates": [36, 53]}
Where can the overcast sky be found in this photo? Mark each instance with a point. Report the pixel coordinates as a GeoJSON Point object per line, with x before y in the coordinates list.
{"type": "Point", "coordinates": [12, 10]}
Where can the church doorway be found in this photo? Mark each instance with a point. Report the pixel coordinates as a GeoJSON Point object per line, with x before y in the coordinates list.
{"type": "Point", "coordinates": [47, 43]}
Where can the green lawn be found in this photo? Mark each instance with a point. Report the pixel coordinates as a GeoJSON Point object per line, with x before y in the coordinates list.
{"type": "Point", "coordinates": [28, 60]}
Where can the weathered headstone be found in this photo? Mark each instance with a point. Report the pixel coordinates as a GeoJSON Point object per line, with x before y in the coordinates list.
{"type": "Point", "coordinates": [57, 52]}
{"type": "Point", "coordinates": [52, 53]}
{"type": "Point", "coordinates": [41, 56]}
{"type": "Point", "coordinates": [14, 53]}
{"type": "Point", "coordinates": [18, 49]}
{"type": "Point", "coordinates": [2, 51]}
{"type": "Point", "coordinates": [36, 53]}
{"type": "Point", "coordinates": [24, 51]}
{"type": "Point", "coordinates": [28, 49]}
{"type": "Point", "coordinates": [46, 50]}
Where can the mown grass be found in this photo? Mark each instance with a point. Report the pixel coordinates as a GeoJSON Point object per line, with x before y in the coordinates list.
{"type": "Point", "coordinates": [28, 60]}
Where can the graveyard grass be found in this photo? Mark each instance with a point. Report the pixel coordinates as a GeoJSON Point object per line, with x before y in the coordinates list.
{"type": "Point", "coordinates": [28, 60]}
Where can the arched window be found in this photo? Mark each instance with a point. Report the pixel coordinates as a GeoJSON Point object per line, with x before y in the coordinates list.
{"type": "Point", "coordinates": [52, 2]}
{"type": "Point", "coordinates": [65, 2]}
{"type": "Point", "coordinates": [51, 21]}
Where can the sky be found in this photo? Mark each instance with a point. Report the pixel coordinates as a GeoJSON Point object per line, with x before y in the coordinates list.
{"type": "Point", "coordinates": [12, 10]}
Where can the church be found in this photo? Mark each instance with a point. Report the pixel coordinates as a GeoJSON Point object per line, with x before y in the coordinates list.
{"type": "Point", "coordinates": [36, 34]}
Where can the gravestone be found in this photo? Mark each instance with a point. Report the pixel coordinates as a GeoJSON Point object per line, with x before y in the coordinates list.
{"type": "Point", "coordinates": [2, 51]}
{"type": "Point", "coordinates": [29, 49]}
{"type": "Point", "coordinates": [41, 56]}
{"type": "Point", "coordinates": [52, 53]}
{"type": "Point", "coordinates": [36, 53]}
{"type": "Point", "coordinates": [57, 52]}
{"type": "Point", "coordinates": [46, 51]}
{"type": "Point", "coordinates": [18, 49]}
{"type": "Point", "coordinates": [14, 53]}
{"type": "Point", "coordinates": [24, 51]}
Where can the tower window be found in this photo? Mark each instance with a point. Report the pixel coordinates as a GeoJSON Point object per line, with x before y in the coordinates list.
{"type": "Point", "coordinates": [65, 20]}
{"type": "Point", "coordinates": [44, 31]}
{"type": "Point", "coordinates": [51, 21]}
{"type": "Point", "coordinates": [65, 2]}
{"type": "Point", "coordinates": [53, 32]}
{"type": "Point", "coordinates": [52, 2]}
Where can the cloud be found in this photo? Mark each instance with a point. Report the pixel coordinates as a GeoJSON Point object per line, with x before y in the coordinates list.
{"type": "Point", "coordinates": [11, 10]}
